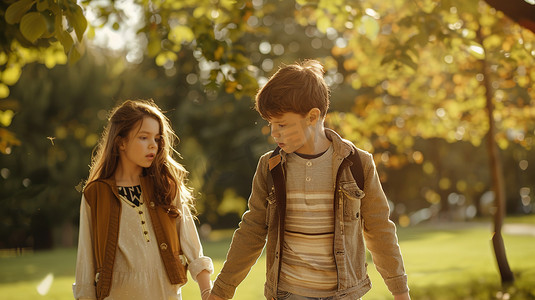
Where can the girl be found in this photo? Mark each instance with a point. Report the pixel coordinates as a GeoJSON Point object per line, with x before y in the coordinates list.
{"type": "Point", "coordinates": [137, 235]}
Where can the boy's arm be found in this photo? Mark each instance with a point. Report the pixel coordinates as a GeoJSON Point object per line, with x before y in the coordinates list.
{"type": "Point", "coordinates": [404, 296]}
{"type": "Point", "coordinates": [380, 232]}
{"type": "Point", "coordinates": [248, 240]}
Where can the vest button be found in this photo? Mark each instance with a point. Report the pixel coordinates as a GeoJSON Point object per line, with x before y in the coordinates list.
{"type": "Point", "coordinates": [163, 246]}
{"type": "Point", "coordinates": [152, 205]}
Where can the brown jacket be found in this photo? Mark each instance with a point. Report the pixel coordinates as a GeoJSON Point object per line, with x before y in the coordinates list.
{"type": "Point", "coordinates": [103, 198]}
{"type": "Point", "coordinates": [361, 215]}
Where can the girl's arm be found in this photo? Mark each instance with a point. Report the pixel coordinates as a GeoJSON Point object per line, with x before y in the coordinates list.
{"type": "Point", "coordinates": [84, 287]}
{"type": "Point", "coordinates": [200, 266]}
{"type": "Point", "coordinates": [205, 285]}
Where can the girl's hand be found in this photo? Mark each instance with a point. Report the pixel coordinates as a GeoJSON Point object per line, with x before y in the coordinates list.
{"type": "Point", "coordinates": [205, 294]}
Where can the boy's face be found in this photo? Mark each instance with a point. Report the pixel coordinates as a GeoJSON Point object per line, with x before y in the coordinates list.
{"type": "Point", "coordinates": [291, 132]}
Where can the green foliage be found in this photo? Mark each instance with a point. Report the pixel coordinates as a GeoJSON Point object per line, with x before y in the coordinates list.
{"type": "Point", "coordinates": [421, 75]}
{"type": "Point", "coordinates": [35, 27]}
{"type": "Point", "coordinates": [418, 63]}
{"type": "Point", "coordinates": [34, 31]}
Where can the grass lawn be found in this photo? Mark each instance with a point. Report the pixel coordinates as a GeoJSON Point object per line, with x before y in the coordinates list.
{"type": "Point", "coordinates": [442, 261]}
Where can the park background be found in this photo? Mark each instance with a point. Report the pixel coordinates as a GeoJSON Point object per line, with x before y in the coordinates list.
{"type": "Point", "coordinates": [441, 92]}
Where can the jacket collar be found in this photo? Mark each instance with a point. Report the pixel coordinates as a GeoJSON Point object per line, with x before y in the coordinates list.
{"type": "Point", "coordinates": [341, 148]}
{"type": "Point", "coordinates": [113, 184]}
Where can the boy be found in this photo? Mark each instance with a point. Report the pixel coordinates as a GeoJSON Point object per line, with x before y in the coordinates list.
{"type": "Point", "coordinates": [307, 204]}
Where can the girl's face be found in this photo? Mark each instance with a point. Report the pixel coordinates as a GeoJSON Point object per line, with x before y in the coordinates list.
{"type": "Point", "coordinates": [140, 148]}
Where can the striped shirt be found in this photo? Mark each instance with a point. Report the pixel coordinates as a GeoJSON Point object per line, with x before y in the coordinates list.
{"type": "Point", "coordinates": [308, 266]}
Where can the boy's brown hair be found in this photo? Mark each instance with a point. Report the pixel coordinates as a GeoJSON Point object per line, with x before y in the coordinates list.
{"type": "Point", "coordinates": [296, 88]}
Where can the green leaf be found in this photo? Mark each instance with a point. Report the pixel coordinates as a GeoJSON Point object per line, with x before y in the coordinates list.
{"type": "Point", "coordinates": [18, 9]}
{"type": "Point", "coordinates": [32, 26]}
{"type": "Point", "coordinates": [74, 55]}
{"type": "Point", "coordinates": [66, 40]}
{"type": "Point", "coordinates": [78, 21]}
{"type": "Point", "coordinates": [407, 60]}
{"type": "Point", "coordinates": [50, 22]}
{"type": "Point", "coordinates": [42, 5]}
{"type": "Point", "coordinates": [388, 58]}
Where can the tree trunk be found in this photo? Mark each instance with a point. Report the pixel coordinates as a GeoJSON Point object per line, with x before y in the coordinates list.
{"type": "Point", "coordinates": [497, 180]}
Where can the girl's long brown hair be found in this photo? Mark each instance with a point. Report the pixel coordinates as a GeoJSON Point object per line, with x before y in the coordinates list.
{"type": "Point", "coordinates": [168, 175]}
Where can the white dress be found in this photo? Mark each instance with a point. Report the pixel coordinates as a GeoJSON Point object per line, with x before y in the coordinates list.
{"type": "Point", "coordinates": [138, 271]}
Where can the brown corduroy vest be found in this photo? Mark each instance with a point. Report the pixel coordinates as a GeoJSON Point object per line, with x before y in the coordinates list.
{"type": "Point", "coordinates": [103, 198]}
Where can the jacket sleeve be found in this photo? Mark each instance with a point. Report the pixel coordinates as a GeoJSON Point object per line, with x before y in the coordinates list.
{"type": "Point", "coordinates": [84, 287]}
{"type": "Point", "coordinates": [248, 240]}
{"type": "Point", "coordinates": [380, 231]}
{"type": "Point", "coordinates": [191, 245]}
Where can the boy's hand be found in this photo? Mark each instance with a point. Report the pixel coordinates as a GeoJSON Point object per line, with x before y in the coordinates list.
{"type": "Point", "coordinates": [402, 296]}
{"type": "Point", "coordinates": [214, 297]}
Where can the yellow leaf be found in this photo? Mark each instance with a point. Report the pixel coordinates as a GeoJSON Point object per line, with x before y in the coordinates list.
{"type": "Point", "coordinates": [492, 41]}
{"type": "Point", "coordinates": [16, 10]}
{"type": "Point", "coordinates": [323, 23]}
{"type": "Point", "coordinates": [428, 5]}
{"type": "Point", "coordinates": [161, 59]}
{"type": "Point", "coordinates": [154, 47]}
{"type": "Point", "coordinates": [230, 86]}
{"type": "Point", "coordinates": [4, 91]}
{"type": "Point", "coordinates": [199, 12]}
{"type": "Point", "coordinates": [7, 139]}
{"type": "Point", "coordinates": [370, 26]}
{"type": "Point", "coordinates": [461, 185]}
{"type": "Point", "coordinates": [181, 34]}
{"type": "Point", "coordinates": [229, 4]}
{"type": "Point", "coordinates": [32, 26]}
{"type": "Point", "coordinates": [11, 74]}
{"type": "Point", "coordinates": [487, 20]}
{"type": "Point", "coordinates": [6, 117]}
{"type": "Point", "coordinates": [3, 59]}
{"type": "Point", "coordinates": [476, 50]}
{"type": "Point", "coordinates": [218, 53]}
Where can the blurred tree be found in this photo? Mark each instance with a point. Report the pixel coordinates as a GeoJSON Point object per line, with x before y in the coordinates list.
{"type": "Point", "coordinates": [34, 31]}
{"type": "Point", "coordinates": [406, 71]}
{"type": "Point", "coordinates": [415, 88]}
{"type": "Point", "coordinates": [40, 177]}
